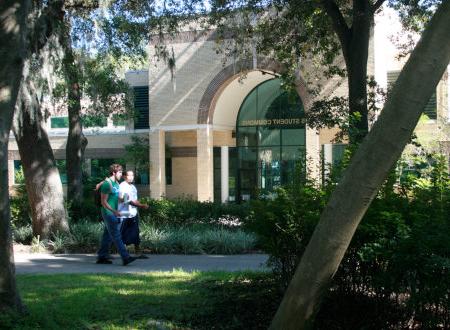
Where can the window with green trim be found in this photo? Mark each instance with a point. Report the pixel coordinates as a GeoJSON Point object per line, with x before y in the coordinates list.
{"type": "Point", "coordinates": [270, 132]}
{"type": "Point", "coordinates": [59, 122]}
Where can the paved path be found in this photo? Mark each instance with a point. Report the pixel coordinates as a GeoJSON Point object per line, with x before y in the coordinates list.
{"type": "Point", "coordinates": [39, 263]}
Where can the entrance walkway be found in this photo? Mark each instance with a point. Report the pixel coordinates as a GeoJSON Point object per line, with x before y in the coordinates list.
{"type": "Point", "coordinates": [40, 263]}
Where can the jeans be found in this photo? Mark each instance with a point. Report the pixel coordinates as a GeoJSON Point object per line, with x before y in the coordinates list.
{"type": "Point", "coordinates": [111, 234]}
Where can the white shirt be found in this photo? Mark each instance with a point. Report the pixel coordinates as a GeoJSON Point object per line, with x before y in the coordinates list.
{"type": "Point", "coordinates": [128, 192]}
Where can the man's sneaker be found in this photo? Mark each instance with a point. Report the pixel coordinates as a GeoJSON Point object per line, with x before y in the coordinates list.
{"type": "Point", "coordinates": [141, 256]}
{"type": "Point", "coordinates": [103, 261]}
{"type": "Point", "coordinates": [129, 260]}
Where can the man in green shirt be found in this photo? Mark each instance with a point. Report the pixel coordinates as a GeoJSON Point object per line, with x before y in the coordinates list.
{"type": "Point", "coordinates": [110, 214]}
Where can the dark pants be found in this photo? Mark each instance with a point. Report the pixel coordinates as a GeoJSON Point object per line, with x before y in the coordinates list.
{"type": "Point", "coordinates": [111, 234]}
{"type": "Point", "coordinates": [129, 230]}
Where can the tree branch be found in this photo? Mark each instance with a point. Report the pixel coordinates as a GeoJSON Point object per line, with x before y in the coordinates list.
{"type": "Point", "coordinates": [82, 4]}
{"type": "Point", "coordinates": [377, 5]}
{"type": "Point", "coordinates": [340, 26]}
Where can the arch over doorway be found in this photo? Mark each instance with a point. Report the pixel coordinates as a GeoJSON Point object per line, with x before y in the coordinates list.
{"type": "Point", "coordinates": [231, 73]}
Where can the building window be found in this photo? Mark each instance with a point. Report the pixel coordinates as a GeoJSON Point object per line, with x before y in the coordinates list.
{"type": "Point", "coordinates": [100, 167]}
{"type": "Point", "coordinates": [94, 121]}
{"type": "Point", "coordinates": [59, 122]}
{"type": "Point", "coordinates": [430, 109]}
{"type": "Point", "coordinates": [141, 107]}
{"type": "Point", "coordinates": [168, 170]}
{"type": "Point", "coordinates": [19, 177]}
{"type": "Point", "coordinates": [270, 139]}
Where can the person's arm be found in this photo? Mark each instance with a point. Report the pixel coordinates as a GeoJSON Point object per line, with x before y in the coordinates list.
{"type": "Point", "coordinates": [139, 204]}
{"type": "Point", "coordinates": [106, 205]}
{"type": "Point", "coordinates": [98, 185]}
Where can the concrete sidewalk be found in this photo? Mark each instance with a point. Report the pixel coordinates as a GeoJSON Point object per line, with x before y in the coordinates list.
{"type": "Point", "coordinates": [43, 263]}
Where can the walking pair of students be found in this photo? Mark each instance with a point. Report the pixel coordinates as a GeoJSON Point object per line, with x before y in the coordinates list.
{"type": "Point", "coordinates": [119, 213]}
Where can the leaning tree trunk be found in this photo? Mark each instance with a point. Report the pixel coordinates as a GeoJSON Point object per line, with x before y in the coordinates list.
{"type": "Point", "coordinates": [368, 169]}
{"type": "Point", "coordinates": [12, 32]}
{"type": "Point", "coordinates": [76, 141]}
{"type": "Point", "coordinates": [42, 180]}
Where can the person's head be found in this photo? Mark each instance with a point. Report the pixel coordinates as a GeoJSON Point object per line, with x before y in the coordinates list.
{"type": "Point", "coordinates": [129, 176]}
{"type": "Point", "coordinates": [116, 171]}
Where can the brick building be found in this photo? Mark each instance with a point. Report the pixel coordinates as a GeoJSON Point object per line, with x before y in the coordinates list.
{"type": "Point", "coordinates": [216, 136]}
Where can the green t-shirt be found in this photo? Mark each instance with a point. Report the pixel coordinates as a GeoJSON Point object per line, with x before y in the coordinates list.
{"type": "Point", "coordinates": [113, 195]}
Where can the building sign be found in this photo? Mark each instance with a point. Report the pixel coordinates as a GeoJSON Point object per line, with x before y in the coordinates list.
{"type": "Point", "coordinates": [274, 122]}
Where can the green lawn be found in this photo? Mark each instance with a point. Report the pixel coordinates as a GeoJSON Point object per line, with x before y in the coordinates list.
{"type": "Point", "coordinates": [169, 300]}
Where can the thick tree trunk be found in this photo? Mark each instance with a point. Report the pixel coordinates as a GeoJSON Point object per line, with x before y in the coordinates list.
{"type": "Point", "coordinates": [42, 179]}
{"type": "Point", "coordinates": [368, 169]}
{"type": "Point", "coordinates": [12, 32]}
{"type": "Point", "coordinates": [76, 141]}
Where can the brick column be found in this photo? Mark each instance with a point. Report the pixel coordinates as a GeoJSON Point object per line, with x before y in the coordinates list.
{"type": "Point", "coordinates": [10, 172]}
{"type": "Point", "coordinates": [157, 164]}
{"type": "Point", "coordinates": [205, 183]}
{"type": "Point", "coordinates": [224, 173]}
{"type": "Point", "coordinates": [313, 165]}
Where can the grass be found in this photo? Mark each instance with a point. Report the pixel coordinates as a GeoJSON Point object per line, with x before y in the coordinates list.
{"type": "Point", "coordinates": [158, 300]}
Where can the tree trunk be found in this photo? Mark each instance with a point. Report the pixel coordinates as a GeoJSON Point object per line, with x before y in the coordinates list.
{"type": "Point", "coordinates": [43, 183]}
{"type": "Point", "coordinates": [354, 41]}
{"type": "Point", "coordinates": [76, 141]}
{"type": "Point", "coordinates": [356, 61]}
{"type": "Point", "coordinates": [368, 169]}
{"type": "Point", "coordinates": [12, 32]}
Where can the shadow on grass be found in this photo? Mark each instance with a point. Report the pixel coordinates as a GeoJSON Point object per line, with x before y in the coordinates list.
{"type": "Point", "coordinates": [175, 300]}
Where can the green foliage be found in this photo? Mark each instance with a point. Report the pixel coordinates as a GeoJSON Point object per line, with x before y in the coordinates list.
{"type": "Point", "coordinates": [84, 237]}
{"type": "Point", "coordinates": [285, 224]}
{"type": "Point", "coordinates": [400, 252]}
{"type": "Point", "coordinates": [137, 152]}
{"type": "Point", "coordinates": [194, 240]}
{"type": "Point", "coordinates": [23, 234]}
{"type": "Point", "coordinates": [19, 205]}
{"type": "Point", "coordinates": [185, 211]}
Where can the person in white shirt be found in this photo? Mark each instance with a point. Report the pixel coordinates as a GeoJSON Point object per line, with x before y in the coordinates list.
{"type": "Point", "coordinates": [128, 206]}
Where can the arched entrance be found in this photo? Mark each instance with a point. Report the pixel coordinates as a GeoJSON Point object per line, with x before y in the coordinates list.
{"type": "Point", "coordinates": [270, 139]}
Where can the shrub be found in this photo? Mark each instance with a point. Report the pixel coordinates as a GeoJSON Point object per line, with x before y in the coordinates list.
{"type": "Point", "coordinates": [23, 235]}
{"type": "Point", "coordinates": [185, 211]}
{"type": "Point", "coordinates": [189, 240]}
{"type": "Point", "coordinates": [400, 252]}
{"type": "Point", "coordinates": [19, 206]}
{"type": "Point", "coordinates": [85, 235]}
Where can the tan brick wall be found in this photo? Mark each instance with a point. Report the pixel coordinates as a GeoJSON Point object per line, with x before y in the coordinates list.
{"type": "Point", "coordinates": [205, 189]}
{"type": "Point", "coordinates": [184, 178]}
{"type": "Point", "coordinates": [101, 140]}
{"type": "Point", "coordinates": [224, 138]}
{"type": "Point", "coordinates": [10, 172]}
{"type": "Point", "coordinates": [182, 139]}
{"type": "Point", "coordinates": [176, 102]}
{"type": "Point", "coordinates": [327, 135]}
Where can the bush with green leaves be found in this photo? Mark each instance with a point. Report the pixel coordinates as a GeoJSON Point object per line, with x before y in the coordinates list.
{"type": "Point", "coordinates": [19, 206]}
{"type": "Point", "coordinates": [400, 252]}
{"type": "Point", "coordinates": [186, 211]}
{"type": "Point", "coordinates": [84, 236]}
{"type": "Point", "coordinates": [195, 240]}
